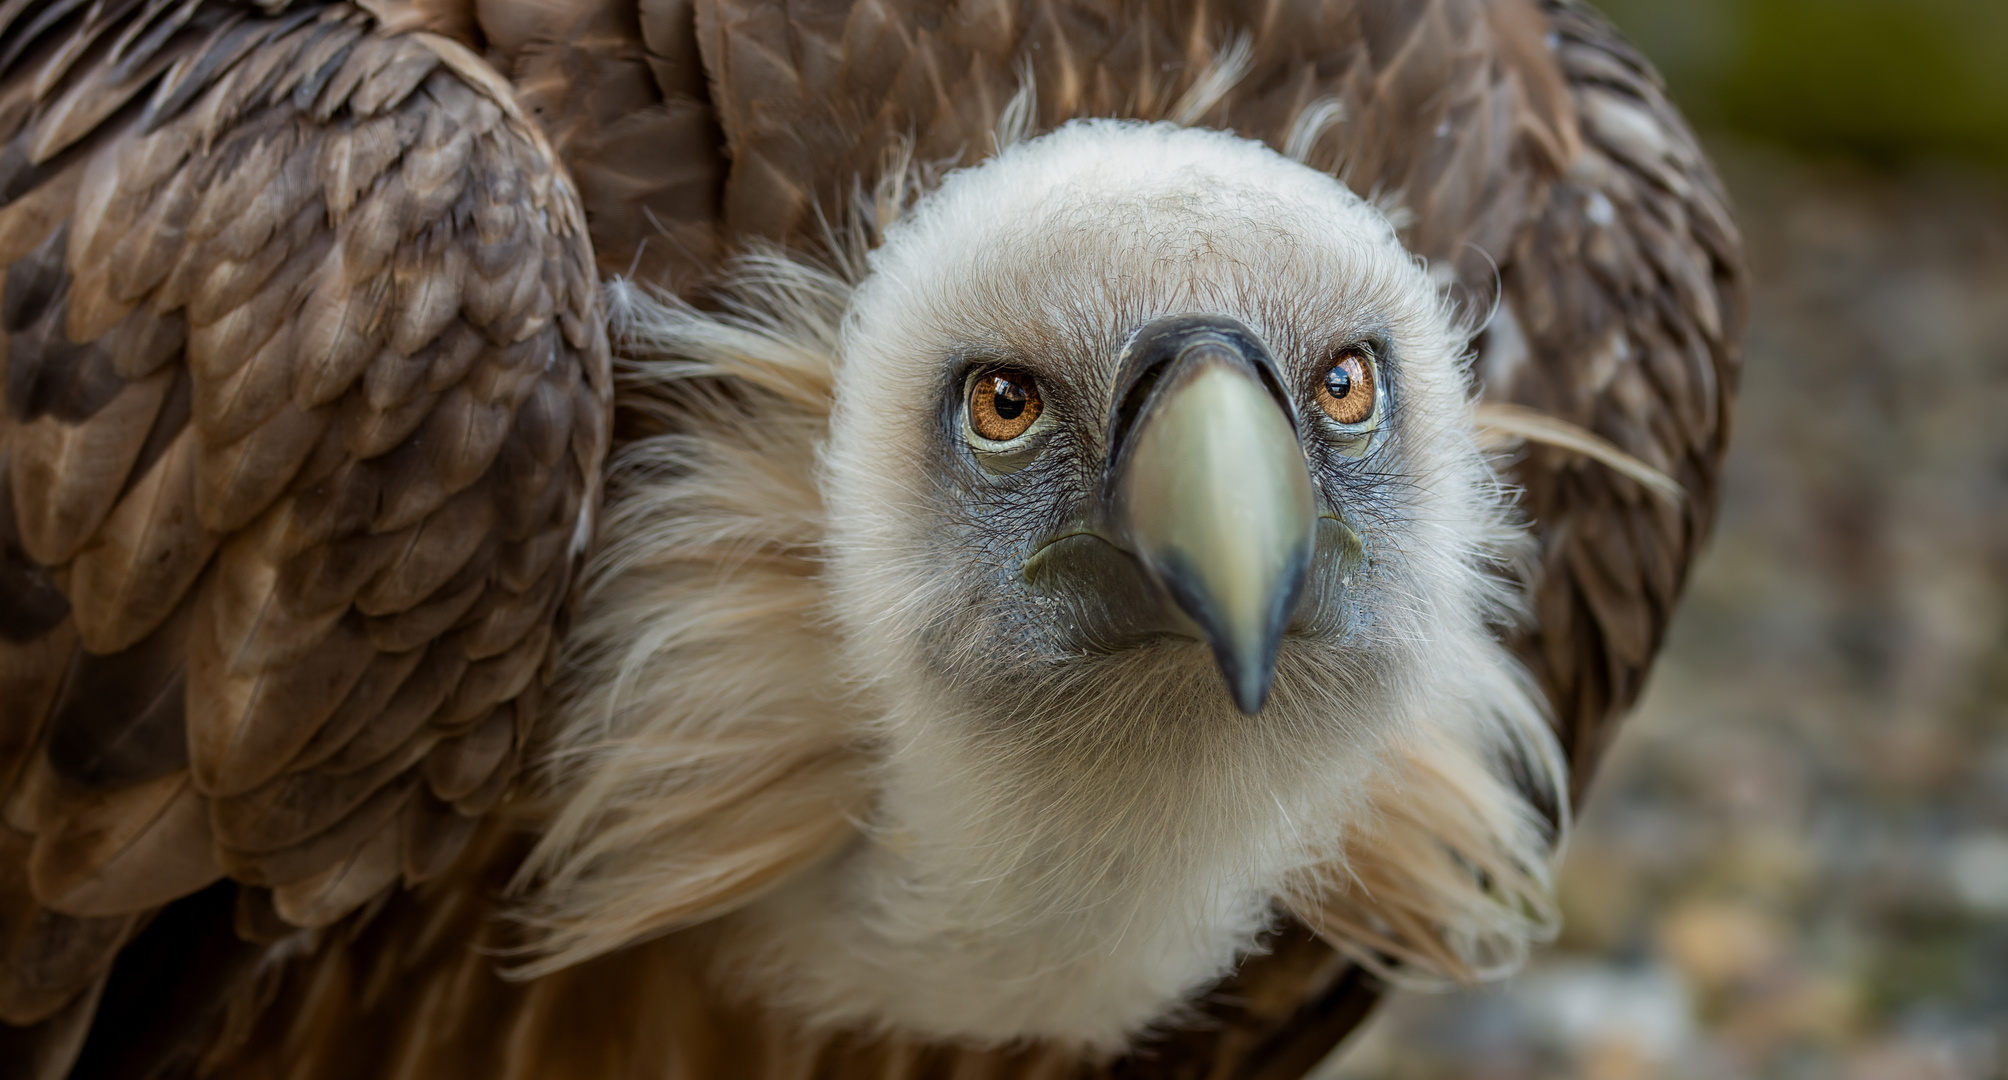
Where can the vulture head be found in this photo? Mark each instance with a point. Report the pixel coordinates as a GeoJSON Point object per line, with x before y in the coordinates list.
{"type": "Point", "coordinates": [1148, 426]}
{"type": "Point", "coordinates": [1155, 574]}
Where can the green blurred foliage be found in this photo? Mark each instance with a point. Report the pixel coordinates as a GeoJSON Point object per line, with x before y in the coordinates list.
{"type": "Point", "coordinates": [1888, 81]}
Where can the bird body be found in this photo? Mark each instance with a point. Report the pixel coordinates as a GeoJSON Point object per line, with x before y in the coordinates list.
{"type": "Point", "coordinates": [1093, 501]}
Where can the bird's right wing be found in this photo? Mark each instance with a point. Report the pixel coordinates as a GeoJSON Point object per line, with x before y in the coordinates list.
{"type": "Point", "coordinates": [306, 397]}
{"type": "Point", "coordinates": [1621, 316]}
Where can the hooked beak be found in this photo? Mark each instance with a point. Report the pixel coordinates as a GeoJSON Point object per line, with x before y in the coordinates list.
{"type": "Point", "coordinates": [1208, 487]}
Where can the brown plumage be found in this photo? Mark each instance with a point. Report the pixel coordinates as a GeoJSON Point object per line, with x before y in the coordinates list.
{"type": "Point", "coordinates": [308, 394]}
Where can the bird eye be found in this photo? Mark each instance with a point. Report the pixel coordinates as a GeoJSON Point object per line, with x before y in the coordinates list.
{"type": "Point", "coordinates": [1346, 392]}
{"type": "Point", "coordinates": [1003, 405]}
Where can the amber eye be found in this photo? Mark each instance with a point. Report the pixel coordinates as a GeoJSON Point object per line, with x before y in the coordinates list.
{"type": "Point", "coordinates": [1346, 392]}
{"type": "Point", "coordinates": [1003, 404]}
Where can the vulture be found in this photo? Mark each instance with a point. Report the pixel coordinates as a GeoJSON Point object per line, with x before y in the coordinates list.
{"type": "Point", "coordinates": [820, 538]}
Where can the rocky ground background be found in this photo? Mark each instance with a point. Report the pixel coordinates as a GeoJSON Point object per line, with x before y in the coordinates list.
{"type": "Point", "coordinates": [1795, 863]}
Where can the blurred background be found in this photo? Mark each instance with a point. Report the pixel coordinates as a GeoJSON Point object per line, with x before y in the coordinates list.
{"type": "Point", "coordinates": [1795, 861]}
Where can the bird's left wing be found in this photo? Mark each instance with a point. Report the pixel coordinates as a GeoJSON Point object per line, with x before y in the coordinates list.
{"type": "Point", "coordinates": [306, 397]}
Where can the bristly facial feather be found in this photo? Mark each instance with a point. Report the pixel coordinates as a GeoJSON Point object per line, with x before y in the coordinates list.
{"type": "Point", "coordinates": [814, 698]}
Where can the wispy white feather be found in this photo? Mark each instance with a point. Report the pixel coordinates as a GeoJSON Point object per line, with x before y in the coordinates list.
{"type": "Point", "coordinates": [1227, 68]}
{"type": "Point", "coordinates": [1310, 126]}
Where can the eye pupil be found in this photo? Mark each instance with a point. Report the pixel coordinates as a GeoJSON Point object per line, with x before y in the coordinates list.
{"type": "Point", "coordinates": [1339, 381]}
{"type": "Point", "coordinates": [1007, 398]}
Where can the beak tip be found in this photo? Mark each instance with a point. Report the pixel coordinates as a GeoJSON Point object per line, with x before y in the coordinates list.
{"type": "Point", "coordinates": [1248, 680]}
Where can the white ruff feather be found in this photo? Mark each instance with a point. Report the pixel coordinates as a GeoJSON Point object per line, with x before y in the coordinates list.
{"type": "Point", "coordinates": [778, 722]}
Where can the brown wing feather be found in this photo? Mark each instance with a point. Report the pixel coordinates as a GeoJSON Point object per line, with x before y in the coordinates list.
{"type": "Point", "coordinates": [616, 85]}
{"type": "Point", "coordinates": [1625, 292]}
{"type": "Point", "coordinates": [306, 398]}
